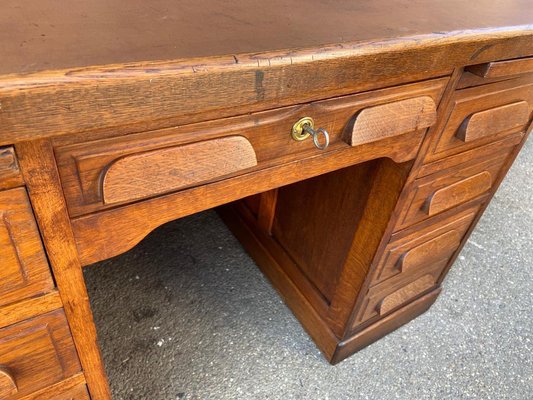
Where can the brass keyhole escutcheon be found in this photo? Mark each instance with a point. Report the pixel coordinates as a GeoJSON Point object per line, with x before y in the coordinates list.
{"type": "Point", "coordinates": [298, 131]}
{"type": "Point", "coordinates": [305, 127]}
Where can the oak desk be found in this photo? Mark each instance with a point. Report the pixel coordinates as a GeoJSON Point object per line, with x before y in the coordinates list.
{"type": "Point", "coordinates": [116, 117]}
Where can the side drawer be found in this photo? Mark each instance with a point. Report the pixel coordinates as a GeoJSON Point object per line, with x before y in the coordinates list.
{"type": "Point", "coordinates": [444, 190]}
{"type": "Point", "coordinates": [484, 114]}
{"type": "Point", "coordinates": [35, 354]}
{"type": "Point", "coordinates": [434, 244]}
{"type": "Point", "coordinates": [24, 268]}
{"type": "Point", "coordinates": [504, 68]}
{"type": "Point", "coordinates": [101, 174]}
{"type": "Point", "coordinates": [397, 291]}
{"type": "Point", "coordinates": [412, 264]}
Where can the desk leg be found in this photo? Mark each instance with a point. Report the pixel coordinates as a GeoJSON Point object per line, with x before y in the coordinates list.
{"type": "Point", "coordinates": [40, 173]}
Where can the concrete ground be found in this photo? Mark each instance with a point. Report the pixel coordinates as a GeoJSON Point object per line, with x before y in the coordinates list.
{"type": "Point", "coordinates": [187, 315]}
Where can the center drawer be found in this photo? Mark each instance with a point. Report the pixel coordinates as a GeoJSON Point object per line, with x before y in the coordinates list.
{"type": "Point", "coordinates": [104, 173]}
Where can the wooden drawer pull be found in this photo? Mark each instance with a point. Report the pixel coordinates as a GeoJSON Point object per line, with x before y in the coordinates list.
{"type": "Point", "coordinates": [8, 387]}
{"type": "Point", "coordinates": [498, 69]}
{"type": "Point", "coordinates": [405, 294]}
{"type": "Point", "coordinates": [493, 121]}
{"type": "Point", "coordinates": [457, 193]}
{"type": "Point", "coordinates": [165, 170]}
{"type": "Point", "coordinates": [436, 249]}
{"type": "Point", "coordinates": [7, 159]}
{"type": "Point", "coordinates": [392, 119]}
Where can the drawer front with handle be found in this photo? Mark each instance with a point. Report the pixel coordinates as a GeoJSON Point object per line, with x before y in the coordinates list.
{"type": "Point", "coordinates": [412, 264]}
{"type": "Point", "coordinates": [483, 114]}
{"type": "Point", "coordinates": [396, 292]}
{"type": "Point", "coordinates": [159, 171]}
{"type": "Point", "coordinates": [35, 354]}
{"type": "Point", "coordinates": [24, 270]}
{"type": "Point", "coordinates": [104, 173]}
{"type": "Point", "coordinates": [442, 191]}
{"type": "Point", "coordinates": [434, 244]}
{"type": "Point", "coordinates": [504, 68]}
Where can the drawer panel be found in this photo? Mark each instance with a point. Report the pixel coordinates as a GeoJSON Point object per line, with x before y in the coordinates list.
{"type": "Point", "coordinates": [165, 170]}
{"type": "Point", "coordinates": [391, 119]}
{"type": "Point", "coordinates": [95, 175]}
{"type": "Point", "coordinates": [397, 291]}
{"type": "Point", "coordinates": [499, 69]}
{"type": "Point", "coordinates": [66, 390]}
{"type": "Point", "coordinates": [444, 190]}
{"type": "Point", "coordinates": [484, 114]}
{"type": "Point", "coordinates": [433, 244]}
{"type": "Point", "coordinates": [412, 263]}
{"type": "Point", "coordinates": [424, 247]}
{"type": "Point", "coordinates": [24, 268]}
{"type": "Point", "coordinates": [76, 393]}
{"type": "Point", "coordinates": [35, 354]}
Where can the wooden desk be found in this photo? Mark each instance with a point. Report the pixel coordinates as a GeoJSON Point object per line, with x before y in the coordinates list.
{"type": "Point", "coordinates": [116, 117]}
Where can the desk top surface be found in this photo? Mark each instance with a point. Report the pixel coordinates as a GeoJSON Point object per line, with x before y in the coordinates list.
{"type": "Point", "coordinates": [52, 34]}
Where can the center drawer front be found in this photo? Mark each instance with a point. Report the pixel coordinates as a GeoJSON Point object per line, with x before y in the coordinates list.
{"type": "Point", "coordinates": [164, 170]}
{"type": "Point", "coordinates": [145, 164]}
{"type": "Point", "coordinates": [484, 114]}
{"type": "Point", "coordinates": [35, 354]}
{"type": "Point", "coordinates": [445, 190]}
{"type": "Point", "coordinates": [24, 270]}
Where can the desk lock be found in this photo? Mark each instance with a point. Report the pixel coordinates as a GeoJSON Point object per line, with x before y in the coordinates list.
{"type": "Point", "coordinates": [305, 127]}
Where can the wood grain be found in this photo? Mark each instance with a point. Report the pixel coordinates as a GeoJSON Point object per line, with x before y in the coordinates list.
{"type": "Point", "coordinates": [92, 34]}
{"type": "Point", "coordinates": [40, 173]}
{"type": "Point", "coordinates": [434, 250]}
{"type": "Point", "coordinates": [401, 296]}
{"type": "Point", "coordinates": [24, 268]}
{"type": "Point", "coordinates": [39, 352]}
{"type": "Point", "coordinates": [72, 388]}
{"type": "Point", "coordinates": [111, 232]}
{"type": "Point", "coordinates": [249, 236]}
{"type": "Point", "coordinates": [28, 308]}
{"type": "Point", "coordinates": [9, 171]}
{"type": "Point", "coordinates": [8, 162]}
{"type": "Point", "coordinates": [267, 210]}
{"type": "Point", "coordinates": [478, 99]}
{"type": "Point", "coordinates": [370, 310]}
{"type": "Point", "coordinates": [498, 69]}
{"type": "Point", "coordinates": [493, 121]}
{"type": "Point", "coordinates": [121, 98]}
{"type": "Point", "coordinates": [458, 192]}
{"type": "Point", "coordinates": [482, 152]}
{"type": "Point", "coordinates": [170, 169]}
{"type": "Point", "coordinates": [308, 213]}
{"type": "Point", "coordinates": [82, 165]}
{"type": "Point", "coordinates": [8, 386]}
{"type": "Point", "coordinates": [452, 187]}
{"type": "Point", "coordinates": [384, 326]}
{"type": "Point", "coordinates": [391, 119]}
{"type": "Point", "coordinates": [420, 246]}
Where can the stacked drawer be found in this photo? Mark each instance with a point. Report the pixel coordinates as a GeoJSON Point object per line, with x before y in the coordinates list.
{"type": "Point", "coordinates": [37, 353]}
{"type": "Point", "coordinates": [467, 156]}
